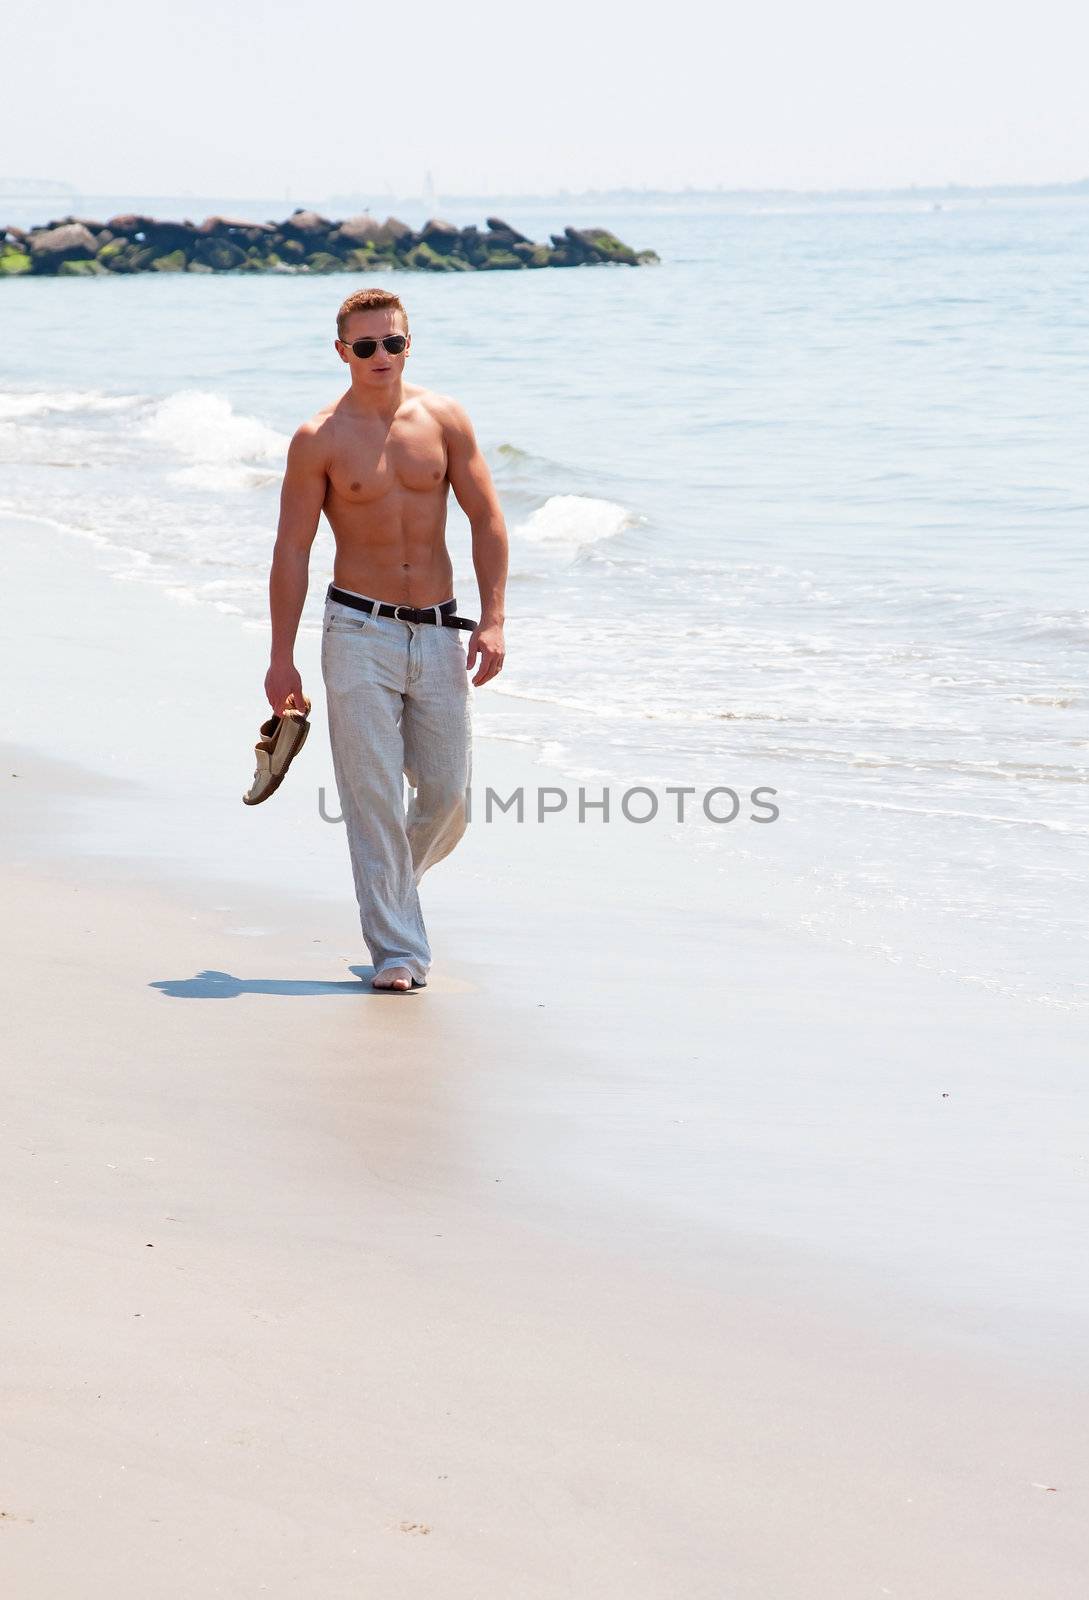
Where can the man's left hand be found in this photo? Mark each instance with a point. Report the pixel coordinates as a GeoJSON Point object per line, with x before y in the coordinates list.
{"type": "Point", "coordinates": [486, 640]}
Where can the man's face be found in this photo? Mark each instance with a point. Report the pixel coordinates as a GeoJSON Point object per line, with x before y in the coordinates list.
{"type": "Point", "coordinates": [384, 366]}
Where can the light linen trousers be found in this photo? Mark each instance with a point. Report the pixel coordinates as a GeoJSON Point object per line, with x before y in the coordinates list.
{"type": "Point", "coordinates": [399, 706]}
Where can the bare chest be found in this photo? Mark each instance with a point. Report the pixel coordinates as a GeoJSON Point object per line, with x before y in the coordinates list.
{"type": "Point", "coordinates": [371, 460]}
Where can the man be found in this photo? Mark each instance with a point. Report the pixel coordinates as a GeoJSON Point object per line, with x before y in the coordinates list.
{"type": "Point", "coordinates": [379, 461]}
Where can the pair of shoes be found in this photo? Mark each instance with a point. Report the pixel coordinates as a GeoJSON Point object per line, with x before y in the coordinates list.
{"type": "Point", "coordinates": [281, 740]}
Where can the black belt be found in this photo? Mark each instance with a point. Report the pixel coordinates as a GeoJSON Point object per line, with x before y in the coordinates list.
{"type": "Point", "coordinates": [448, 609]}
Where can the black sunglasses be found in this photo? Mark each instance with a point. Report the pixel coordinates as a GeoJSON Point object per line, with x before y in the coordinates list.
{"type": "Point", "coordinates": [394, 343]}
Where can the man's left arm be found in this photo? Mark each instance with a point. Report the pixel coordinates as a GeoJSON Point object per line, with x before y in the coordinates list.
{"type": "Point", "coordinates": [475, 493]}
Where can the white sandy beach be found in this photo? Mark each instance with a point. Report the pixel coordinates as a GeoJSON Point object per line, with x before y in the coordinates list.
{"type": "Point", "coordinates": [648, 1252]}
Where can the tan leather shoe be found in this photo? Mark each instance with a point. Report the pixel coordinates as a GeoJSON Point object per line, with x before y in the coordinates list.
{"type": "Point", "coordinates": [281, 740]}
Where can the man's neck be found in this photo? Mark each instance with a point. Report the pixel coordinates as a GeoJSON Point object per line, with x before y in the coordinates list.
{"type": "Point", "coordinates": [382, 404]}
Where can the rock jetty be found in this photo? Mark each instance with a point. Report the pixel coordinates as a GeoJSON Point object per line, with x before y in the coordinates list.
{"type": "Point", "coordinates": [74, 247]}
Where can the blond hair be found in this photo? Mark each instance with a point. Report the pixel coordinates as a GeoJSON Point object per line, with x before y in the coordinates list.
{"type": "Point", "coordinates": [369, 300]}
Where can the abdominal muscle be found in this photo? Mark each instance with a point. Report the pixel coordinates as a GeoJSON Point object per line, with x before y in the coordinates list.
{"type": "Point", "coordinates": [392, 546]}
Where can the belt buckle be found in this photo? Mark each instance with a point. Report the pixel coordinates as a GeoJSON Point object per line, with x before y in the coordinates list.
{"type": "Point", "coordinates": [397, 617]}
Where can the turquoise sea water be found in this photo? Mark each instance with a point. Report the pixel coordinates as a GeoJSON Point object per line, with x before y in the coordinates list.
{"type": "Point", "coordinates": [805, 506]}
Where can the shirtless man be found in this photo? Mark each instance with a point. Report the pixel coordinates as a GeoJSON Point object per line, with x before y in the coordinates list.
{"type": "Point", "coordinates": [379, 461]}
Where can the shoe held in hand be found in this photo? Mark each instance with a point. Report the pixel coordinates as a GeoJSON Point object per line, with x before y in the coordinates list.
{"type": "Point", "coordinates": [281, 740]}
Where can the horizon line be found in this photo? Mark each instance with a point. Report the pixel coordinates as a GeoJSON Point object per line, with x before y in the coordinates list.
{"type": "Point", "coordinates": [51, 189]}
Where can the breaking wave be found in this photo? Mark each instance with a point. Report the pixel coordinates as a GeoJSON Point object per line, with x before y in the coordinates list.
{"type": "Point", "coordinates": [574, 520]}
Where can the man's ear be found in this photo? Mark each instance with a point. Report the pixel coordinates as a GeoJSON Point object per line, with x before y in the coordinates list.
{"type": "Point", "coordinates": [339, 351]}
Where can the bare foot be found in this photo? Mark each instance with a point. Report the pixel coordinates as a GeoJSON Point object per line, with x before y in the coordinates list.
{"type": "Point", "coordinates": [392, 978]}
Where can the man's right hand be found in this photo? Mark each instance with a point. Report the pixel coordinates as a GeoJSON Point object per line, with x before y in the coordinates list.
{"type": "Point", "coordinates": [282, 681]}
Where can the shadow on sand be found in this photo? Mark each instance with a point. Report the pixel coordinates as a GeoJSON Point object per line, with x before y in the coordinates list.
{"type": "Point", "coordinates": [212, 985]}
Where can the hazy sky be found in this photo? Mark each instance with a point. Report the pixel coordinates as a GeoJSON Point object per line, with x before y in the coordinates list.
{"type": "Point", "coordinates": [232, 97]}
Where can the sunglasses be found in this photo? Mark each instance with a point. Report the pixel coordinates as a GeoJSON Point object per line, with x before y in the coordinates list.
{"type": "Point", "coordinates": [394, 343]}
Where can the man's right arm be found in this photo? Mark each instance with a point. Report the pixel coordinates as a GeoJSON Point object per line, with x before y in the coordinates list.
{"type": "Point", "coordinates": [301, 499]}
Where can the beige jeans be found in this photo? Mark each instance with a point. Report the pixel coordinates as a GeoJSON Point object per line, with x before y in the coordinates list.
{"type": "Point", "coordinates": [399, 705]}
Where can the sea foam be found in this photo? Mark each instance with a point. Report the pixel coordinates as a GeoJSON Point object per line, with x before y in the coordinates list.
{"type": "Point", "coordinates": [222, 448]}
{"type": "Point", "coordinates": [15, 405]}
{"type": "Point", "coordinates": [573, 520]}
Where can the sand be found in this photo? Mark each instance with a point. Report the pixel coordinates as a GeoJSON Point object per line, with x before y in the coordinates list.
{"type": "Point", "coordinates": [648, 1252]}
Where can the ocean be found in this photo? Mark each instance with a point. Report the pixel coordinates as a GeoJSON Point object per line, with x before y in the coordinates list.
{"type": "Point", "coordinates": [804, 508]}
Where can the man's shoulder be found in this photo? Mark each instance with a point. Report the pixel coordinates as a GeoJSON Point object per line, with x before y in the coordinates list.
{"type": "Point", "coordinates": [447, 411]}
{"type": "Point", "coordinates": [312, 436]}
{"type": "Point", "coordinates": [319, 421]}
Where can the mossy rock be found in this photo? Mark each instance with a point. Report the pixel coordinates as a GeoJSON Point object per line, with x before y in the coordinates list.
{"type": "Point", "coordinates": [220, 254]}
{"type": "Point", "coordinates": [602, 239]}
{"type": "Point", "coordinates": [259, 258]}
{"type": "Point", "coordinates": [114, 256]}
{"type": "Point", "coordinates": [421, 258]}
{"type": "Point", "coordinates": [370, 258]}
{"type": "Point", "coordinates": [81, 269]}
{"type": "Point", "coordinates": [122, 255]}
{"type": "Point", "coordinates": [602, 245]}
{"type": "Point", "coordinates": [109, 253]}
{"type": "Point", "coordinates": [530, 255]}
{"type": "Point", "coordinates": [13, 262]}
{"type": "Point", "coordinates": [138, 244]}
{"type": "Point", "coordinates": [501, 261]}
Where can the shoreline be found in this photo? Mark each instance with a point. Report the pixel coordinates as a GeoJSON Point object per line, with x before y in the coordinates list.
{"type": "Point", "coordinates": [707, 982]}
{"type": "Point", "coordinates": [649, 1247]}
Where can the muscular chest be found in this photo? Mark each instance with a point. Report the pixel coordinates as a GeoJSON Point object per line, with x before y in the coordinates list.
{"type": "Point", "coordinates": [372, 460]}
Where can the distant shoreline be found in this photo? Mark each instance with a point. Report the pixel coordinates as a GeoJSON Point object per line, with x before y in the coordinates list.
{"type": "Point", "coordinates": [47, 191]}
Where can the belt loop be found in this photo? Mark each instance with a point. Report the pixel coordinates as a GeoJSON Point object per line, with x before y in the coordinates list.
{"type": "Point", "coordinates": [374, 607]}
{"type": "Point", "coordinates": [438, 615]}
